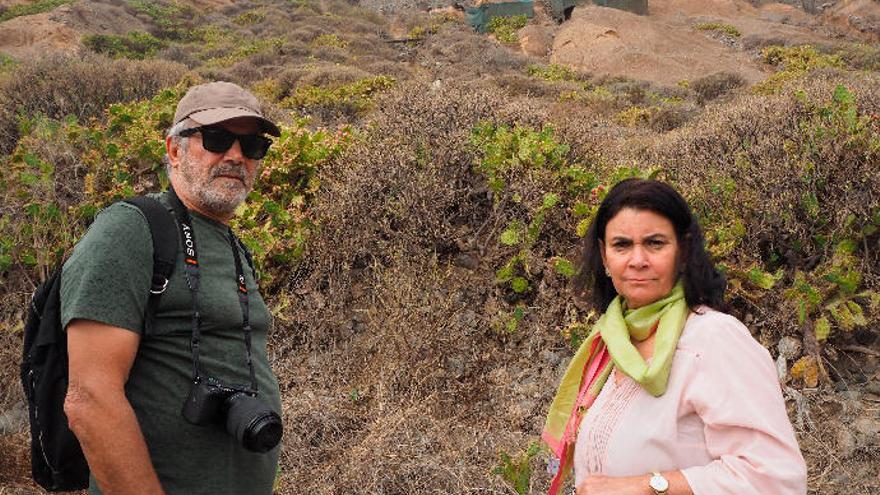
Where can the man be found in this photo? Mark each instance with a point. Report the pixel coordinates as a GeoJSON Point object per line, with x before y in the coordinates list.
{"type": "Point", "coordinates": [127, 386]}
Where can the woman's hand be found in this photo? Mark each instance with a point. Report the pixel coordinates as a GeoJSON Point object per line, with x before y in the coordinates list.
{"type": "Point", "coordinates": [604, 485]}
{"type": "Point", "coordinates": [632, 485]}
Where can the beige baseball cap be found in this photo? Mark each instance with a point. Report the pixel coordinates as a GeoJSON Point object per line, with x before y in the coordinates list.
{"type": "Point", "coordinates": [219, 101]}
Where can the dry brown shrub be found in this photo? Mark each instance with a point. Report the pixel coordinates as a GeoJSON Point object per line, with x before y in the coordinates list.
{"type": "Point", "coordinates": [457, 53]}
{"type": "Point", "coordinates": [714, 85]}
{"type": "Point", "coordinates": [405, 387]}
{"type": "Point", "coordinates": [522, 85]}
{"type": "Point", "coordinates": [747, 145]}
{"type": "Point", "coordinates": [330, 74]}
{"type": "Point", "coordinates": [672, 116]}
{"type": "Point", "coordinates": [60, 85]}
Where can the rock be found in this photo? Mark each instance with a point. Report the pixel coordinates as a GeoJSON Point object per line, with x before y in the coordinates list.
{"type": "Point", "coordinates": [14, 420]}
{"type": "Point", "coordinates": [466, 260]}
{"type": "Point", "coordinates": [535, 40]}
{"type": "Point", "coordinates": [789, 347]}
{"type": "Point", "coordinates": [846, 442]}
{"type": "Point", "coordinates": [867, 427]}
{"type": "Point", "coordinates": [455, 366]}
{"type": "Point", "coordinates": [550, 357]}
{"type": "Point", "coordinates": [782, 368]}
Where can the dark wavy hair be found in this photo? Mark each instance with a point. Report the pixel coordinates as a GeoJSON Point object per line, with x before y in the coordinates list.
{"type": "Point", "coordinates": [703, 284]}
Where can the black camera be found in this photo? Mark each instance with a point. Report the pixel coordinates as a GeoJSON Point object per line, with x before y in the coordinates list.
{"type": "Point", "coordinates": [248, 419]}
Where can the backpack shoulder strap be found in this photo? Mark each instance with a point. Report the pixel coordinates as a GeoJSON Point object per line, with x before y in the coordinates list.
{"type": "Point", "coordinates": [248, 256]}
{"type": "Point", "coordinates": [163, 229]}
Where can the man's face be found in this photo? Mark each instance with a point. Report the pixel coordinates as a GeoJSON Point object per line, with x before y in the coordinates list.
{"type": "Point", "coordinates": [214, 184]}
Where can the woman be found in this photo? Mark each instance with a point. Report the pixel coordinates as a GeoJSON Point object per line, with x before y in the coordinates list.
{"type": "Point", "coordinates": [667, 394]}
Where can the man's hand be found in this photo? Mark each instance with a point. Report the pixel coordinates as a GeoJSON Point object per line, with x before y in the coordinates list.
{"type": "Point", "coordinates": [100, 415]}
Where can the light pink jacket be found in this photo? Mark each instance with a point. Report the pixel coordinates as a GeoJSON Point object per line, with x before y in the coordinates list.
{"type": "Point", "coordinates": [722, 420]}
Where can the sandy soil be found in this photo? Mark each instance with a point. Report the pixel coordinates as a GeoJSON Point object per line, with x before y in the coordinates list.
{"type": "Point", "coordinates": [855, 17]}
{"type": "Point", "coordinates": [664, 47]}
{"type": "Point", "coordinates": [61, 29]}
{"type": "Point", "coordinates": [24, 37]}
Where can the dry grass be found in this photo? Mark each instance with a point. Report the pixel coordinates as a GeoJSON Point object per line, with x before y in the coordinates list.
{"type": "Point", "coordinates": [61, 86]}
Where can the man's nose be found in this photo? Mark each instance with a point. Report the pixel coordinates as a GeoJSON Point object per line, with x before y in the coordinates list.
{"type": "Point", "coordinates": [234, 152]}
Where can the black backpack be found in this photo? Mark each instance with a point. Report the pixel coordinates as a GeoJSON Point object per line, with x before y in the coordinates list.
{"type": "Point", "coordinates": [57, 460]}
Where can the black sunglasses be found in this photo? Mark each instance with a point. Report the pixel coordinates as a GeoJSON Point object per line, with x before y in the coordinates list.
{"type": "Point", "coordinates": [219, 140]}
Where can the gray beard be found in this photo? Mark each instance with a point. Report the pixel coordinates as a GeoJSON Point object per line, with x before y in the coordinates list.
{"type": "Point", "coordinates": [214, 198]}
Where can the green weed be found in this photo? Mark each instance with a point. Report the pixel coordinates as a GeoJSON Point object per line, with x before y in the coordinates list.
{"type": "Point", "coordinates": [134, 45]}
{"type": "Point", "coordinates": [505, 28]}
{"type": "Point", "coordinates": [32, 8]}
{"type": "Point", "coordinates": [720, 27]}
{"type": "Point", "coordinates": [552, 72]}
{"type": "Point", "coordinates": [794, 62]}
{"type": "Point", "coordinates": [516, 471]}
{"type": "Point", "coordinates": [356, 96]}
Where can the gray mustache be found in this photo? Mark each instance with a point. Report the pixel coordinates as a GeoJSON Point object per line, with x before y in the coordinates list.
{"type": "Point", "coordinates": [229, 171]}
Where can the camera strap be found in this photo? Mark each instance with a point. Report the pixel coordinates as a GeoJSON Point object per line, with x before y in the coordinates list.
{"type": "Point", "coordinates": [193, 280]}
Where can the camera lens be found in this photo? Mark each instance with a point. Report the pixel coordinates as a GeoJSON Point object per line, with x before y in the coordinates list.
{"type": "Point", "coordinates": [255, 426]}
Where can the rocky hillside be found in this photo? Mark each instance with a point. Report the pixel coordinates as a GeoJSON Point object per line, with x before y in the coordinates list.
{"type": "Point", "coordinates": [418, 222]}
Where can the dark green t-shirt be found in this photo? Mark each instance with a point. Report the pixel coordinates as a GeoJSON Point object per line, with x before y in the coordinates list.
{"type": "Point", "coordinates": [107, 279]}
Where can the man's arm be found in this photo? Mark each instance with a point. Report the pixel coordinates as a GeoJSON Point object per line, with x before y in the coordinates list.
{"type": "Point", "coordinates": [100, 415]}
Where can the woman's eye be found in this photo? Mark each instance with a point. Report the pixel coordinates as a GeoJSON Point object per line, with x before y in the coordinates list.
{"type": "Point", "coordinates": [656, 243]}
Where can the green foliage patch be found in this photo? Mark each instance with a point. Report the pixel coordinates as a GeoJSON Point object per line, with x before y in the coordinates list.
{"type": "Point", "coordinates": [355, 97]}
{"type": "Point", "coordinates": [134, 45]}
{"type": "Point", "coordinates": [122, 156]}
{"type": "Point", "coordinates": [516, 470]}
{"type": "Point", "coordinates": [331, 40]}
{"type": "Point", "coordinates": [505, 28]}
{"type": "Point", "coordinates": [32, 8]}
{"type": "Point", "coordinates": [552, 72]}
{"type": "Point", "coordinates": [794, 62]}
{"type": "Point", "coordinates": [719, 27]}
{"type": "Point", "coordinates": [245, 49]}
{"type": "Point", "coordinates": [171, 18]}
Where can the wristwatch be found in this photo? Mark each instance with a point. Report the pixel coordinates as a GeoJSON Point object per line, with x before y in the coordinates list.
{"type": "Point", "coordinates": [658, 483]}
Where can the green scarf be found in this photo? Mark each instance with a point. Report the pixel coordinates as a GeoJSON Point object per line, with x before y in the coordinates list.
{"type": "Point", "coordinates": [618, 326]}
{"type": "Point", "coordinates": [614, 331]}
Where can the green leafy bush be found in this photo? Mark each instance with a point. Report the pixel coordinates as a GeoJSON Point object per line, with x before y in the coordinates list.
{"type": "Point", "coordinates": [552, 72]}
{"type": "Point", "coordinates": [720, 27]}
{"type": "Point", "coordinates": [353, 98]}
{"type": "Point", "coordinates": [122, 156]}
{"type": "Point", "coordinates": [505, 28]}
{"type": "Point", "coordinates": [134, 45]}
{"type": "Point", "coordinates": [516, 471]}
{"type": "Point", "coordinates": [275, 221]}
{"type": "Point", "coordinates": [172, 19]}
{"type": "Point", "coordinates": [331, 40]}
{"type": "Point", "coordinates": [31, 8]}
{"type": "Point", "coordinates": [794, 62]}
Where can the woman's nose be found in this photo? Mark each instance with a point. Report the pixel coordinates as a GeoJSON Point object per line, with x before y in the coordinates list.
{"type": "Point", "coordinates": [638, 256]}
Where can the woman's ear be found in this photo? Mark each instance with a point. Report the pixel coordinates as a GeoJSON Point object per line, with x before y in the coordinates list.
{"type": "Point", "coordinates": [684, 250]}
{"type": "Point", "coordinates": [602, 253]}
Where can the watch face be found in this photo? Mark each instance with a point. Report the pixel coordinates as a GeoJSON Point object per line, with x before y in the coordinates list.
{"type": "Point", "coordinates": [659, 483]}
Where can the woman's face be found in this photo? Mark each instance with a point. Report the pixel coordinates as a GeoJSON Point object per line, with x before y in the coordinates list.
{"type": "Point", "coordinates": [641, 253]}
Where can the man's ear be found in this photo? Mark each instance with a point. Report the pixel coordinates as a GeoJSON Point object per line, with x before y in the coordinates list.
{"type": "Point", "coordinates": [172, 148]}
